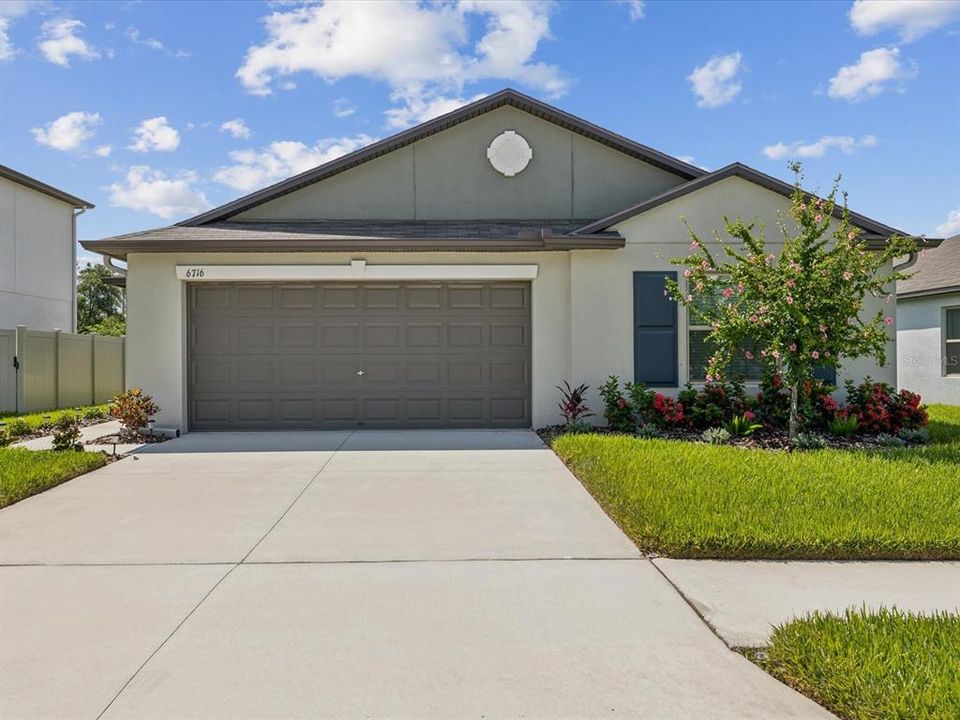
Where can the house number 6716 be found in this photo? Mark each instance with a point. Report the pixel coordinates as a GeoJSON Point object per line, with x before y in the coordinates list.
{"type": "Point", "coordinates": [194, 272]}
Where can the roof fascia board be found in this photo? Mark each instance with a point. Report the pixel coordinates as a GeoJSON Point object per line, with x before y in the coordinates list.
{"type": "Point", "coordinates": [455, 117]}
{"type": "Point", "coordinates": [733, 170]}
{"type": "Point", "coordinates": [928, 292]}
{"type": "Point", "coordinates": [42, 187]}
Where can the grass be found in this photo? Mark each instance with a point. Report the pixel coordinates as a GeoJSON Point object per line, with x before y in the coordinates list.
{"type": "Point", "coordinates": [884, 665]}
{"type": "Point", "coordinates": [698, 501]}
{"type": "Point", "coordinates": [38, 419]}
{"type": "Point", "coordinates": [27, 472]}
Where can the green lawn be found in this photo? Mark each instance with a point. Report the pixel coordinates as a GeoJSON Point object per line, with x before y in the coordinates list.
{"type": "Point", "coordinates": [695, 500]}
{"type": "Point", "coordinates": [26, 472]}
{"type": "Point", "coordinates": [885, 665]}
{"type": "Point", "coordinates": [36, 419]}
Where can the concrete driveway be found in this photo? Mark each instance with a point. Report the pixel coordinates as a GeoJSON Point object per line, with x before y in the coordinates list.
{"type": "Point", "coordinates": [455, 574]}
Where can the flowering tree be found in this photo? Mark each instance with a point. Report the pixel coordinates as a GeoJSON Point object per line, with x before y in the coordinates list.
{"type": "Point", "coordinates": [796, 311]}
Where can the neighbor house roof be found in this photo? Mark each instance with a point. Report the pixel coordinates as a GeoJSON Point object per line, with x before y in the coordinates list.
{"type": "Point", "coordinates": [431, 127]}
{"type": "Point", "coordinates": [34, 184]}
{"type": "Point", "coordinates": [366, 235]}
{"type": "Point", "coordinates": [936, 271]}
{"type": "Point", "coordinates": [876, 230]}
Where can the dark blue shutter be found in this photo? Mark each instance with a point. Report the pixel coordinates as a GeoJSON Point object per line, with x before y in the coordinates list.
{"type": "Point", "coordinates": [654, 330]}
{"type": "Point", "coordinates": [827, 373]}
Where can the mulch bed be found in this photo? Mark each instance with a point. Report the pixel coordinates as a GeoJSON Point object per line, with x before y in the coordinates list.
{"type": "Point", "coordinates": [761, 439]}
{"type": "Point", "coordinates": [138, 439]}
{"type": "Point", "coordinates": [45, 430]}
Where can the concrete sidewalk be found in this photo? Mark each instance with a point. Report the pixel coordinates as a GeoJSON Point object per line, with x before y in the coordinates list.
{"type": "Point", "coordinates": [743, 600]}
{"type": "Point", "coordinates": [373, 574]}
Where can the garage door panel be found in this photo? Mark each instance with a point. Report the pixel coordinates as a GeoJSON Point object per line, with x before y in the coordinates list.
{"type": "Point", "coordinates": [390, 355]}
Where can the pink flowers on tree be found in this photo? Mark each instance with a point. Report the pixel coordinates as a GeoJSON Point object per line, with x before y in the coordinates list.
{"type": "Point", "coordinates": [799, 309]}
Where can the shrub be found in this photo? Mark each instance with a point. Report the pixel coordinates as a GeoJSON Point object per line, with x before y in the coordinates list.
{"type": "Point", "coordinates": [18, 427]}
{"type": "Point", "coordinates": [572, 405]}
{"type": "Point", "coordinates": [4, 438]}
{"type": "Point", "coordinates": [888, 440]}
{"type": "Point", "coordinates": [578, 428]}
{"type": "Point", "coordinates": [919, 436]}
{"type": "Point", "coordinates": [649, 432]}
{"type": "Point", "coordinates": [617, 410]}
{"type": "Point", "coordinates": [716, 436]}
{"type": "Point", "coordinates": [641, 403]}
{"type": "Point", "coordinates": [667, 411]}
{"type": "Point", "coordinates": [66, 433]}
{"type": "Point", "coordinates": [844, 424]}
{"type": "Point", "coordinates": [883, 410]}
{"type": "Point", "coordinates": [742, 425]}
{"type": "Point", "coordinates": [94, 413]}
{"type": "Point", "coordinates": [815, 405]}
{"type": "Point", "coordinates": [713, 405]}
{"type": "Point", "coordinates": [809, 441]}
{"type": "Point", "coordinates": [133, 409]}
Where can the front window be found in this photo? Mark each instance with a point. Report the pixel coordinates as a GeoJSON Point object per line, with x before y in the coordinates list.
{"type": "Point", "coordinates": [951, 334]}
{"type": "Point", "coordinates": [700, 349]}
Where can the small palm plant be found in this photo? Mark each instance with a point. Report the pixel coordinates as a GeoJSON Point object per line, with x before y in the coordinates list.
{"type": "Point", "coordinates": [572, 404]}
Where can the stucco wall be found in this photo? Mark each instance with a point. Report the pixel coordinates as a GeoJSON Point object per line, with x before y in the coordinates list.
{"type": "Point", "coordinates": [36, 259]}
{"type": "Point", "coordinates": [447, 176]}
{"type": "Point", "coordinates": [156, 317]}
{"type": "Point", "coordinates": [602, 282]}
{"type": "Point", "coordinates": [920, 348]}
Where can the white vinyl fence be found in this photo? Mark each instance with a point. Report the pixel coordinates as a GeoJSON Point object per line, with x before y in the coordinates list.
{"type": "Point", "coordinates": [43, 370]}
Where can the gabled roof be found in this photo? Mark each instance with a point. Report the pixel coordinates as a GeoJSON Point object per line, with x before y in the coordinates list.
{"type": "Point", "coordinates": [360, 235]}
{"type": "Point", "coordinates": [876, 230]}
{"type": "Point", "coordinates": [34, 184]}
{"type": "Point", "coordinates": [431, 127]}
{"type": "Point", "coordinates": [936, 271]}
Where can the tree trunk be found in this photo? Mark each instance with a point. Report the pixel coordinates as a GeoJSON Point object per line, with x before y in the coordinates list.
{"type": "Point", "coordinates": [794, 417]}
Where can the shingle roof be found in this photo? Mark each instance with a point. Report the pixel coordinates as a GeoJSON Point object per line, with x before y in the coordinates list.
{"type": "Point", "coordinates": [507, 96]}
{"type": "Point", "coordinates": [34, 184]}
{"type": "Point", "coordinates": [936, 271]}
{"type": "Point", "coordinates": [336, 235]}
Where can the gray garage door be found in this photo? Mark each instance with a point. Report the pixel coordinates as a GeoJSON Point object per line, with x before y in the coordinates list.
{"type": "Point", "coordinates": [335, 355]}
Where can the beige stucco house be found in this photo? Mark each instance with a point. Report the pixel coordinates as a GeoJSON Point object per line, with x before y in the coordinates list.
{"type": "Point", "coordinates": [38, 255]}
{"type": "Point", "coordinates": [448, 276]}
{"type": "Point", "coordinates": [928, 325]}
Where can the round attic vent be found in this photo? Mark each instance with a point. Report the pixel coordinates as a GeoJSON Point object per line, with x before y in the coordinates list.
{"type": "Point", "coordinates": [509, 153]}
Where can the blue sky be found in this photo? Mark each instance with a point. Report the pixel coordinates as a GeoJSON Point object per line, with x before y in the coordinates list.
{"type": "Point", "coordinates": [154, 111]}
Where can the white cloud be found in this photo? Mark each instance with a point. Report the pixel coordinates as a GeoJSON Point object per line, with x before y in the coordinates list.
{"type": "Point", "coordinates": [342, 107]}
{"type": "Point", "coordinates": [282, 159]}
{"type": "Point", "coordinates": [134, 35]}
{"type": "Point", "coordinates": [716, 82]}
{"type": "Point", "coordinates": [870, 75]}
{"type": "Point", "coordinates": [911, 18]}
{"type": "Point", "coordinates": [691, 160]}
{"type": "Point", "coordinates": [153, 191]}
{"type": "Point", "coordinates": [420, 108]}
{"type": "Point", "coordinates": [237, 128]}
{"type": "Point", "coordinates": [9, 11]}
{"type": "Point", "coordinates": [68, 132]}
{"type": "Point", "coordinates": [103, 150]}
{"type": "Point", "coordinates": [634, 7]}
{"type": "Point", "coordinates": [798, 149]}
{"type": "Point", "coordinates": [155, 134]}
{"type": "Point", "coordinates": [421, 50]}
{"type": "Point", "coordinates": [59, 40]}
{"type": "Point", "coordinates": [950, 226]}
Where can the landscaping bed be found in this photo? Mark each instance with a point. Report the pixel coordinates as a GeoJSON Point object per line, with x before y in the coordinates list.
{"type": "Point", "coordinates": [27, 472]}
{"type": "Point", "coordinates": [867, 666]}
{"type": "Point", "coordinates": [40, 424]}
{"type": "Point", "coordinates": [695, 500]}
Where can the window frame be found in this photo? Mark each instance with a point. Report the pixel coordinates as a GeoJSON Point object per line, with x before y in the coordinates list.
{"type": "Point", "coordinates": [691, 328]}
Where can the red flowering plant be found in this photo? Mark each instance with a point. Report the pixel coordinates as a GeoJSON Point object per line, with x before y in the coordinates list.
{"type": "Point", "coordinates": [883, 410]}
{"type": "Point", "coordinates": [667, 411]}
{"type": "Point", "coordinates": [797, 310]}
{"type": "Point", "coordinates": [714, 404]}
{"type": "Point", "coordinates": [815, 404]}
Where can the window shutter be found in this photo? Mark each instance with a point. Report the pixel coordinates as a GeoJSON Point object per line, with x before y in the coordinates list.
{"type": "Point", "coordinates": [826, 373]}
{"type": "Point", "coordinates": [654, 330]}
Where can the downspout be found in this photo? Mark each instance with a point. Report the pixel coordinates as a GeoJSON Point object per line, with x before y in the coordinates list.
{"type": "Point", "coordinates": [108, 263]}
{"type": "Point", "coordinates": [73, 294]}
{"type": "Point", "coordinates": [908, 263]}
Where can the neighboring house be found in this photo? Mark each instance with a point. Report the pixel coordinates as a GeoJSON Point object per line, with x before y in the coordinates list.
{"type": "Point", "coordinates": [449, 276]}
{"type": "Point", "coordinates": [38, 256]}
{"type": "Point", "coordinates": [928, 325]}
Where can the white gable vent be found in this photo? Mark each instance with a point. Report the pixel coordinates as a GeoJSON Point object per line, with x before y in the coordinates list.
{"type": "Point", "coordinates": [509, 153]}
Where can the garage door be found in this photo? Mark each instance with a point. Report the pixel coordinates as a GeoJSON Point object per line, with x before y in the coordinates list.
{"type": "Point", "coordinates": [335, 355]}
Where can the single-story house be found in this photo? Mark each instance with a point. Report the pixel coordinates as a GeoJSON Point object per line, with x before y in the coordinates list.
{"type": "Point", "coordinates": [928, 325]}
{"type": "Point", "coordinates": [448, 276]}
{"type": "Point", "coordinates": [38, 253]}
